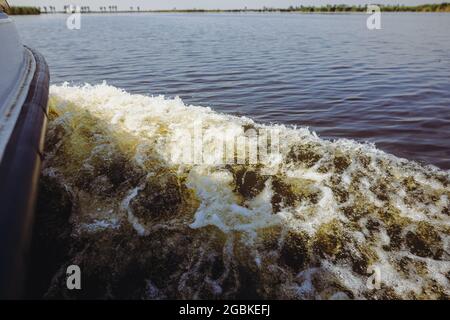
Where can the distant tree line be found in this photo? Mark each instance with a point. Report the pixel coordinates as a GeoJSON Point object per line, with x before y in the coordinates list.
{"type": "Point", "coordinates": [49, 9]}
{"type": "Point", "coordinates": [83, 9]}
{"type": "Point", "coordinates": [109, 8]}
{"type": "Point", "coordinates": [442, 7]}
{"type": "Point", "coordinates": [16, 10]}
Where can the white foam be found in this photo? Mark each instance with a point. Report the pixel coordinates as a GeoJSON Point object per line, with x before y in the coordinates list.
{"type": "Point", "coordinates": [156, 127]}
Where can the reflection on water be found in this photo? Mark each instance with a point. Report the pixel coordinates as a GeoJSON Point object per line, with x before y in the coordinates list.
{"type": "Point", "coordinates": [328, 72]}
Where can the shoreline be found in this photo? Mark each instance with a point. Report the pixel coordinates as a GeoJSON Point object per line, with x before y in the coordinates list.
{"type": "Point", "coordinates": [234, 12]}
{"type": "Point", "coordinates": [335, 9]}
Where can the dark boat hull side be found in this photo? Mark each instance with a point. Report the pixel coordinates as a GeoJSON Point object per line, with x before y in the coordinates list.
{"type": "Point", "coordinates": [19, 174]}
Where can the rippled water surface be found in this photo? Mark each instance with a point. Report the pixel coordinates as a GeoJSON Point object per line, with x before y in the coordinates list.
{"type": "Point", "coordinates": [329, 72]}
{"type": "Point", "coordinates": [310, 220]}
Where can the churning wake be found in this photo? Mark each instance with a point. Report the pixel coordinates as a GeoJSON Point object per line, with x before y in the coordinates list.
{"type": "Point", "coordinates": [318, 220]}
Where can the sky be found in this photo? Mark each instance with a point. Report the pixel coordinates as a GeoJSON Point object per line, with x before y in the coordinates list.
{"type": "Point", "coordinates": [205, 4]}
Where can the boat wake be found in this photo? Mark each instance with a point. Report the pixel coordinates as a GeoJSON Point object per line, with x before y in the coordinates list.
{"type": "Point", "coordinates": [319, 220]}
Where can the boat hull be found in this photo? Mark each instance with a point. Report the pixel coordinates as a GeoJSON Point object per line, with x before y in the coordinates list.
{"type": "Point", "coordinates": [22, 135]}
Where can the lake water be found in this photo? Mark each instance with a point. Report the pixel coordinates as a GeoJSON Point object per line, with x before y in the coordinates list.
{"type": "Point", "coordinates": [310, 221]}
{"type": "Point", "coordinates": [328, 72]}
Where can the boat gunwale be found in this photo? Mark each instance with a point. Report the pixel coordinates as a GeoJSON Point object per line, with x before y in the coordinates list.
{"type": "Point", "coordinates": [19, 175]}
